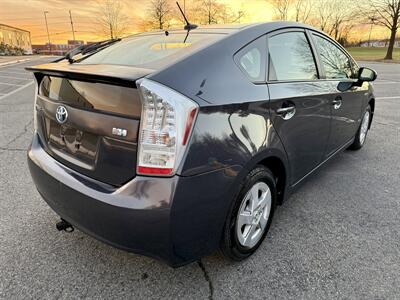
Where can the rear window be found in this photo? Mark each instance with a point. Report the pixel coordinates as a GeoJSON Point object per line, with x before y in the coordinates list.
{"type": "Point", "coordinates": [92, 96]}
{"type": "Point", "coordinates": [152, 48]}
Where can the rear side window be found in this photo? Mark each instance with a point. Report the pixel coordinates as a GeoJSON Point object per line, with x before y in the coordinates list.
{"type": "Point", "coordinates": [251, 59]}
{"type": "Point", "coordinates": [146, 49]}
{"type": "Point", "coordinates": [290, 57]}
{"type": "Point", "coordinates": [337, 65]}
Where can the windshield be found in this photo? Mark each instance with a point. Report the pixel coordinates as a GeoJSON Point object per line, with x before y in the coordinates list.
{"type": "Point", "coordinates": [147, 49]}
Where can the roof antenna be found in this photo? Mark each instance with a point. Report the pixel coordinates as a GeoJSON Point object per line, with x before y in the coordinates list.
{"type": "Point", "coordinates": [188, 25]}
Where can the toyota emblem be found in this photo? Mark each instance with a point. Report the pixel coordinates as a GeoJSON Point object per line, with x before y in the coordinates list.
{"type": "Point", "coordinates": [61, 114]}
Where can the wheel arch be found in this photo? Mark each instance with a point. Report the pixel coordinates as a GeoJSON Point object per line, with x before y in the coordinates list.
{"type": "Point", "coordinates": [371, 103]}
{"type": "Point", "coordinates": [278, 169]}
{"type": "Point", "coordinates": [277, 163]}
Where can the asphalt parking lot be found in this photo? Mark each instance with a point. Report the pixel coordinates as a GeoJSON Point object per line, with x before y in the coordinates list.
{"type": "Point", "coordinates": [338, 236]}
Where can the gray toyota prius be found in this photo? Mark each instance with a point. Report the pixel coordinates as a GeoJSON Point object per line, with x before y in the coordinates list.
{"type": "Point", "coordinates": [173, 144]}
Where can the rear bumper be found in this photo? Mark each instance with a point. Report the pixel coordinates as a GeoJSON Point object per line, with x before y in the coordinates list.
{"type": "Point", "coordinates": [177, 219]}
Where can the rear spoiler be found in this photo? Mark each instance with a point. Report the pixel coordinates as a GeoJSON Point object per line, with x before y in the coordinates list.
{"type": "Point", "coordinates": [110, 74]}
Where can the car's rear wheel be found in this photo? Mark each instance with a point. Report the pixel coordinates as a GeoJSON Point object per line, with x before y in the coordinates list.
{"type": "Point", "coordinates": [251, 214]}
{"type": "Point", "coordinates": [362, 132]}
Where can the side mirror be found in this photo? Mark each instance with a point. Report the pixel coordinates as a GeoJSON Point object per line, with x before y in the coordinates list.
{"type": "Point", "coordinates": [366, 74]}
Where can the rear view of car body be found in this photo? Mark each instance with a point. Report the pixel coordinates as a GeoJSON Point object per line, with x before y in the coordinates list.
{"type": "Point", "coordinates": [176, 215]}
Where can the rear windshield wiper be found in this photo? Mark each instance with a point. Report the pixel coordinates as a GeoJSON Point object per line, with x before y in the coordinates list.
{"type": "Point", "coordinates": [85, 49]}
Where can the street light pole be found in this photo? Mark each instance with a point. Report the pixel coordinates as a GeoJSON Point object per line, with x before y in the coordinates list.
{"type": "Point", "coordinates": [72, 25]}
{"type": "Point", "coordinates": [47, 28]}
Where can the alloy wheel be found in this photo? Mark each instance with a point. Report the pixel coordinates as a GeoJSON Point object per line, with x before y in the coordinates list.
{"type": "Point", "coordinates": [364, 127]}
{"type": "Point", "coordinates": [253, 215]}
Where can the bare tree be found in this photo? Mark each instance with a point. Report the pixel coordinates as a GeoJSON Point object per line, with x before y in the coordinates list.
{"type": "Point", "coordinates": [303, 10]}
{"type": "Point", "coordinates": [343, 16]}
{"type": "Point", "coordinates": [227, 15]}
{"type": "Point", "coordinates": [159, 13]}
{"type": "Point", "coordinates": [343, 37]}
{"type": "Point", "coordinates": [323, 14]}
{"type": "Point", "coordinates": [387, 13]}
{"type": "Point", "coordinates": [240, 15]}
{"type": "Point", "coordinates": [281, 8]}
{"type": "Point", "coordinates": [209, 11]}
{"type": "Point", "coordinates": [111, 19]}
{"type": "Point", "coordinates": [214, 12]}
{"type": "Point", "coordinates": [336, 17]}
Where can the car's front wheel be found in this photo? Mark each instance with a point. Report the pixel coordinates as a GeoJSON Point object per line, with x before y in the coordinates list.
{"type": "Point", "coordinates": [251, 214]}
{"type": "Point", "coordinates": [362, 132]}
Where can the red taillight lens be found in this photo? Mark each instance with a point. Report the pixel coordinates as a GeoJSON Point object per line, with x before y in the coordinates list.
{"type": "Point", "coordinates": [165, 126]}
{"type": "Point", "coordinates": [157, 171]}
{"type": "Point", "coordinates": [189, 125]}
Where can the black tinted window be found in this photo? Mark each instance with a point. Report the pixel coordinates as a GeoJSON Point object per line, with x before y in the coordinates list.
{"type": "Point", "coordinates": [251, 59]}
{"type": "Point", "coordinates": [290, 57]}
{"type": "Point", "coordinates": [337, 65]}
{"type": "Point", "coordinates": [92, 96]}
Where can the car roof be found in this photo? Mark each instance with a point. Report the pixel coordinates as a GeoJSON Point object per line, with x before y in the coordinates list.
{"type": "Point", "coordinates": [233, 28]}
{"type": "Point", "coordinates": [214, 28]}
{"type": "Point", "coordinates": [276, 25]}
{"type": "Point", "coordinates": [234, 35]}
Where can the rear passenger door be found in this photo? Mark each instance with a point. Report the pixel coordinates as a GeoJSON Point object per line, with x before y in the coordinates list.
{"type": "Point", "coordinates": [340, 72]}
{"type": "Point", "coordinates": [299, 101]}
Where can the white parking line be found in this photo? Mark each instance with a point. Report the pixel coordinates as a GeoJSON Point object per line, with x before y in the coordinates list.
{"type": "Point", "coordinates": [385, 82]}
{"type": "Point", "coordinates": [11, 84]}
{"type": "Point", "coordinates": [14, 62]}
{"type": "Point", "coordinates": [16, 90]}
{"type": "Point", "coordinates": [12, 72]}
{"type": "Point", "coordinates": [20, 78]}
{"type": "Point", "coordinates": [391, 97]}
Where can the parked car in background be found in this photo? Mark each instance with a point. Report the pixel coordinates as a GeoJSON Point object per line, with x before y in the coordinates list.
{"type": "Point", "coordinates": [173, 144]}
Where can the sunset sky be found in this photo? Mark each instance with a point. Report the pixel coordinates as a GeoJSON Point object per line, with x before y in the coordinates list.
{"type": "Point", "coordinates": [28, 15]}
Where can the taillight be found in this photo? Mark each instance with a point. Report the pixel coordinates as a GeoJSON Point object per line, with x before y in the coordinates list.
{"type": "Point", "coordinates": [35, 112]}
{"type": "Point", "coordinates": [165, 127]}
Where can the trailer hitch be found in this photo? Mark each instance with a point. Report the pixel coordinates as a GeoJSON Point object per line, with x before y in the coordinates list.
{"type": "Point", "coordinates": [65, 226]}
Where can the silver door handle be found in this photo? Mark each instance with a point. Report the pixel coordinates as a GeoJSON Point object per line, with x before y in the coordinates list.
{"type": "Point", "coordinates": [337, 103]}
{"type": "Point", "coordinates": [286, 112]}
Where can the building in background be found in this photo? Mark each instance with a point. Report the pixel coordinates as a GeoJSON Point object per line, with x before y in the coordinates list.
{"type": "Point", "coordinates": [380, 43]}
{"type": "Point", "coordinates": [75, 43]}
{"type": "Point", "coordinates": [56, 49]}
{"type": "Point", "coordinates": [16, 37]}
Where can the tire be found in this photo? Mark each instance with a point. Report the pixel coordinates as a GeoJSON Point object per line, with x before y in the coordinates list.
{"type": "Point", "coordinates": [236, 242]}
{"type": "Point", "coordinates": [362, 131]}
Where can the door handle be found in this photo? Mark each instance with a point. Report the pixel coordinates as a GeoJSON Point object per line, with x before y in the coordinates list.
{"type": "Point", "coordinates": [286, 112]}
{"type": "Point", "coordinates": [337, 103]}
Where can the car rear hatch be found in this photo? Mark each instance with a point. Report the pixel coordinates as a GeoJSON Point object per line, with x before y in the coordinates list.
{"type": "Point", "coordinates": [87, 117]}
